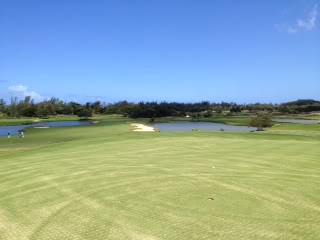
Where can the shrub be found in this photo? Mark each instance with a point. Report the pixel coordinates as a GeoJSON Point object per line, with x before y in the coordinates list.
{"type": "Point", "coordinates": [261, 120]}
{"type": "Point", "coordinates": [84, 113]}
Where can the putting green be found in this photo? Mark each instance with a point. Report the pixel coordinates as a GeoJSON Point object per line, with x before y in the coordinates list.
{"type": "Point", "coordinates": [107, 182]}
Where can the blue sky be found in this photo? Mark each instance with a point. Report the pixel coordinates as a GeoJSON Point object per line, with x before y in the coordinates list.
{"type": "Point", "coordinates": [173, 50]}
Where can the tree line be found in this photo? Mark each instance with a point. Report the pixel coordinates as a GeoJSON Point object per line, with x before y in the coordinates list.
{"type": "Point", "coordinates": [27, 107]}
{"type": "Point", "coordinates": [54, 106]}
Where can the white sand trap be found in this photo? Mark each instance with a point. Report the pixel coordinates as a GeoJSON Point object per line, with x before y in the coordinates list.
{"type": "Point", "coordinates": [41, 127]}
{"type": "Point", "coordinates": [138, 127]}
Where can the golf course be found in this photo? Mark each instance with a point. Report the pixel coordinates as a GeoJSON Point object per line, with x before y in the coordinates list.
{"type": "Point", "coordinates": [106, 181]}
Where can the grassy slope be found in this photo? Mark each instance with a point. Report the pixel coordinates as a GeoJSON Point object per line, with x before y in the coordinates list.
{"type": "Point", "coordinates": [106, 182]}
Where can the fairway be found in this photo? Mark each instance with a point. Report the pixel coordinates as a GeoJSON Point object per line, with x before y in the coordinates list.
{"type": "Point", "coordinates": [108, 182]}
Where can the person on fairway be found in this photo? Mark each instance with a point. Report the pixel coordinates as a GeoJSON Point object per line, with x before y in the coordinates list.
{"type": "Point", "coordinates": [21, 134]}
{"type": "Point", "coordinates": [9, 135]}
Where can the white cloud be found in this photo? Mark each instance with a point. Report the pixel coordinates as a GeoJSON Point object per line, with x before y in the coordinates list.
{"type": "Point", "coordinates": [306, 25]}
{"type": "Point", "coordinates": [22, 91]}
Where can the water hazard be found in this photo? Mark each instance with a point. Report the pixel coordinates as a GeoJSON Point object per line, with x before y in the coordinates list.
{"type": "Point", "coordinates": [201, 126]}
{"type": "Point", "coordinates": [14, 130]}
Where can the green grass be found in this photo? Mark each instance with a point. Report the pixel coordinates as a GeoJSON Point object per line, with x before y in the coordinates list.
{"type": "Point", "coordinates": [107, 182]}
{"type": "Point", "coordinates": [295, 129]}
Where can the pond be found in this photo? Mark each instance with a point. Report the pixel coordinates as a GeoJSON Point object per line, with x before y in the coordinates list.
{"type": "Point", "coordinates": [298, 121]}
{"type": "Point", "coordinates": [14, 130]}
{"type": "Point", "coordinates": [201, 126]}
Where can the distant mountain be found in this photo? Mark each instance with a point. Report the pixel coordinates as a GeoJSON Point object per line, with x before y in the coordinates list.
{"type": "Point", "coordinates": [302, 102]}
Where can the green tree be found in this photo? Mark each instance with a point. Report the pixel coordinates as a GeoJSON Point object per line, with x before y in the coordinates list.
{"type": "Point", "coordinates": [208, 114]}
{"type": "Point", "coordinates": [42, 112]}
{"type": "Point", "coordinates": [84, 113]}
{"type": "Point", "coordinates": [12, 108]}
{"type": "Point", "coordinates": [67, 110]}
{"type": "Point", "coordinates": [2, 106]}
{"type": "Point", "coordinates": [261, 120]}
{"type": "Point", "coordinates": [235, 109]}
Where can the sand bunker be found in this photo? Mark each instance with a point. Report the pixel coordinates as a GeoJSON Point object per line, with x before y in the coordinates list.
{"type": "Point", "coordinates": [41, 127]}
{"type": "Point", "coordinates": [138, 127]}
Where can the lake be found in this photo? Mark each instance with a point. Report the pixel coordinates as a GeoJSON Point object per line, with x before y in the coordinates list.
{"type": "Point", "coordinates": [201, 126]}
{"type": "Point", "coordinates": [14, 130]}
{"type": "Point", "coordinates": [298, 121]}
